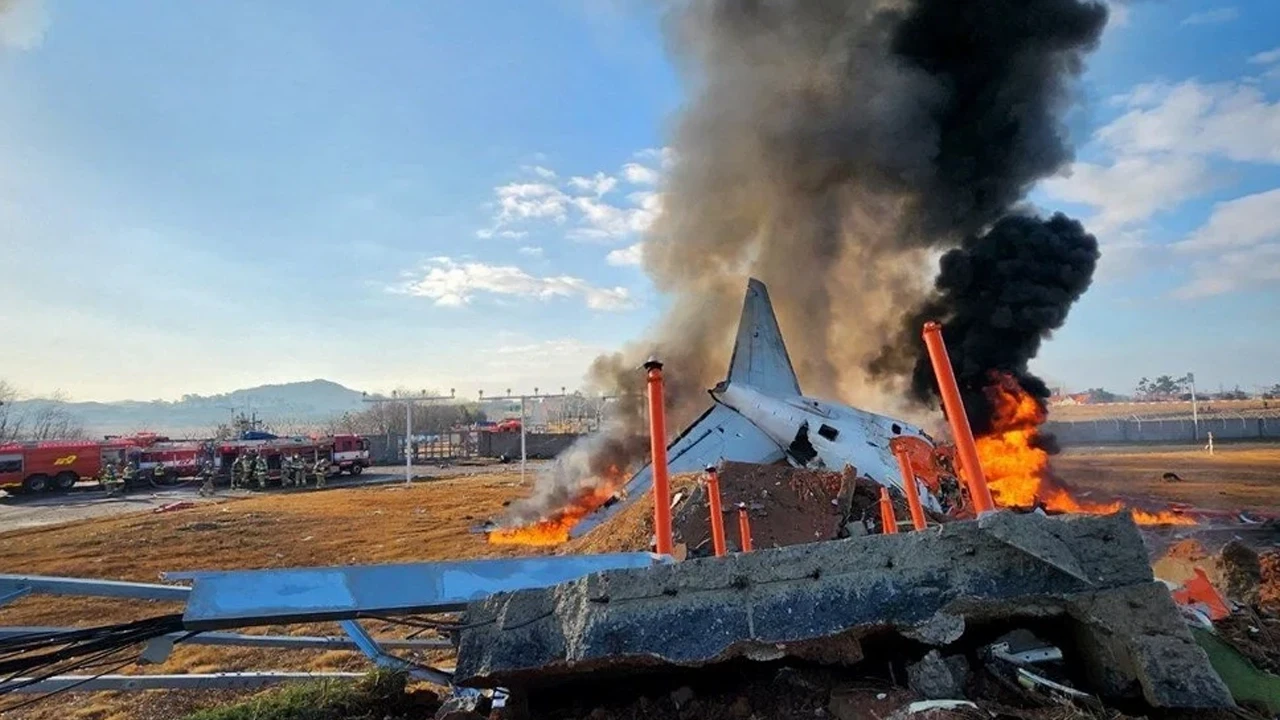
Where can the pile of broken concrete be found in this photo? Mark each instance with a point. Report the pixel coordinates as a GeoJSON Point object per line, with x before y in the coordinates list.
{"type": "Point", "coordinates": [1010, 613]}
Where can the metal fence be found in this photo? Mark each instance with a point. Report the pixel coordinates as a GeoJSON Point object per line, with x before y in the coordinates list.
{"type": "Point", "coordinates": [1133, 429]}
{"type": "Point", "coordinates": [463, 444]}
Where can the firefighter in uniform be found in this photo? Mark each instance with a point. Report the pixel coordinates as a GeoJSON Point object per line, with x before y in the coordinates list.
{"type": "Point", "coordinates": [260, 471]}
{"type": "Point", "coordinates": [287, 476]}
{"type": "Point", "coordinates": [109, 481]}
{"type": "Point", "coordinates": [237, 472]}
{"type": "Point", "coordinates": [321, 469]}
{"type": "Point", "coordinates": [126, 475]}
{"type": "Point", "coordinates": [158, 472]}
{"type": "Point", "coordinates": [206, 475]}
{"type": "Point", "coordinates": [299, 473]}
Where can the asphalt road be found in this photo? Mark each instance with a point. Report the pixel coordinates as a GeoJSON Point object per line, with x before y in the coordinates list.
{"type": "Point", "coordinates": [90, 501]}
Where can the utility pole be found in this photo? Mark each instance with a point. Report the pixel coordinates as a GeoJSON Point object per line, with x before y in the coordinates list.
{"type": "Point", "coordinates": [409, 402]}
{"type": "Point", "coordinates": [524, 399]}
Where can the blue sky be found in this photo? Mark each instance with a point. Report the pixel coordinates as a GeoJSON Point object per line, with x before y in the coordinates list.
{"type": "Point", "coordinates": [196, 197]}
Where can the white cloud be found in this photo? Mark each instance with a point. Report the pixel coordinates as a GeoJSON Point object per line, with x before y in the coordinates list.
{"type": "Point", "coordinates": [599, 184]}
{"type": "Point", "coordinates": [453, 284]}
{"type": "Point", "coordinates": [531, 251]}
{"type": "Point", "coordinates": [1267, 57]}
{"type": "Point", "coordinates": [1238, 247]}
{"type": "Point", "coordinates": [665, 156]}
{"type": "Point", "coordinates": [638, 174]}
{"type": "Point", "coordinates": [1213, 16]}
{"type": "Point", "coordinates": [1117, 14]}
{"type": "Point", "coordinates": [1131, 189]}
{"type": "Point", "coordinates": [630, 255]}
{"type": "Point", "coordinates": [1229, 119]}
{"type": "Point", "coordinates": [488, 233]}
{"type": "Point", "coordinates": [523, 201]}
{"type": "Point", "coordinates": [23, 24]}
{"type": "Point", "coordinates": [1244, 221]}
{"type": "Point", "coordinates": [581, 199]}
{"type": "Point", "coordinates": [602, 220]}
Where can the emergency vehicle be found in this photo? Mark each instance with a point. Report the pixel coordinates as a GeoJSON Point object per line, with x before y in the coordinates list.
{"type": "Point", "coordinates": [59, 465]}
{"type": "Point", "coordinates": [56, 465]}
{"type": "Point", "coordinates": [346, 453]}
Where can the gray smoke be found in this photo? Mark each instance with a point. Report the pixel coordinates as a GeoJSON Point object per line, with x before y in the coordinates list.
{"type": "Point", "coordinates": [833, 148]}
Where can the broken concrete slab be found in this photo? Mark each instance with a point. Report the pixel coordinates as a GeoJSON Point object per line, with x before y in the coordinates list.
{"type": "Point", "coordinates": [937, 678]}
{"type": "Point", "coordinates": [796, 601]}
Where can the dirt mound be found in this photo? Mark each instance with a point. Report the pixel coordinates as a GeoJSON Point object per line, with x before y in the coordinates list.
{"type": "Point", "coordinates": [785, 506]}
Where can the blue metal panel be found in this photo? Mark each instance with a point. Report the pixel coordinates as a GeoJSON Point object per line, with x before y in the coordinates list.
{"type": "Point", "coordinates": [289, 642]}
{"type": "Point", "coordinates": [8, 596]}
{"type": "Point", "coordinates": [44, 585]}
{"type": "Point", "coordinates": [265, 597]}
{"type": "Point", "coordinates": [192, 681]}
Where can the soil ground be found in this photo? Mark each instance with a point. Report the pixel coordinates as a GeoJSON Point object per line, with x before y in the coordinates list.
{"type": "Point", "coordinates": [1233, 478]}
{"type": "Point", "coordinates": [425, 521]}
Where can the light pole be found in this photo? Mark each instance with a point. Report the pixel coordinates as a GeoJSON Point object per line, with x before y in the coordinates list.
{"type": "Point", "coordinates": [1195, 411]}
{"type": "Point", "coordinates": [409, 402]}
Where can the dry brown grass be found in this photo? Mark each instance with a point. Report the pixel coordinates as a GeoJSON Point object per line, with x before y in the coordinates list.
{"type": "Point", "coordinates": [1206, 408]}
{"type": "Point", "coordinates": [1230, 479]}
{"type": "Point", "coordinates": [428, 521]}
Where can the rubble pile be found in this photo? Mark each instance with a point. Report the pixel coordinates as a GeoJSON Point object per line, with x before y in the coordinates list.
{"type": "Point", "coordinates": [922, 610]}
{"type": "Point", "coordinates": [1013, 615]}
{"type": "Point", "coordinates": [785, 506]}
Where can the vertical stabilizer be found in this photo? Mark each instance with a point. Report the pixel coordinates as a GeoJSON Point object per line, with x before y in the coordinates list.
{"type": "Point", "coordinates": [759, 355]}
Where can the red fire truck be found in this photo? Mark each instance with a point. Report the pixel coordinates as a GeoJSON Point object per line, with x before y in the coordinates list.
{"type": "Point", "coordinates": [39, 466]}
{"type": "Point", "coordinates": [59, 465]}
{"type": "Point", "coordinates": [346, 453]}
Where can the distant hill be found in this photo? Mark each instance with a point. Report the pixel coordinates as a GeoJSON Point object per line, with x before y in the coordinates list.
{"type": "Point", "coordinates": [298, 403]}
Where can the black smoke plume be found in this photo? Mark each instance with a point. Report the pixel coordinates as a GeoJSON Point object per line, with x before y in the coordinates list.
{"type": "Point", "coordinates": [998, 295]}
{"type": "Point", "coordinates": [832, 148]}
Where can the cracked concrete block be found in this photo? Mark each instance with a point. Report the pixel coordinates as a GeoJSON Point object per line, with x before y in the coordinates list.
{"type": "Point", "coordinates": [1135, 644]}
{"type": "Point", "coordinates": [820, 600]}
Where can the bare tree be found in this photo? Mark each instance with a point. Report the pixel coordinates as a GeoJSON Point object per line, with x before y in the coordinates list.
{"type": "Point", "coordinates": [51, 420]}
{"type": "Point", "coordinates": [46, 419]}
{"type": "Point", "coordinates": [10, 418]}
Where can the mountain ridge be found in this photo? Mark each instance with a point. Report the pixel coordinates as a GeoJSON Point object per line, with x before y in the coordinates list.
{"type": "Point", "coordinates": [302, 402]}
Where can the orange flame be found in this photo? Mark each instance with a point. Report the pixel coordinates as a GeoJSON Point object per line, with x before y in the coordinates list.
{"type": "Point", "coordinates": [1017, 467]}
{"type": "Point", "coordinates": [554, 529]}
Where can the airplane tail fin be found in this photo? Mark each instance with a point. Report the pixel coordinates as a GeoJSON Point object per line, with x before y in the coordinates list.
{"type": "Point", "coordinates": [759, 355]}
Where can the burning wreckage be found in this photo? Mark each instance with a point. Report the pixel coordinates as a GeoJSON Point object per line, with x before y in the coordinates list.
{"type": "Point", "coordinates": [1051, 610]}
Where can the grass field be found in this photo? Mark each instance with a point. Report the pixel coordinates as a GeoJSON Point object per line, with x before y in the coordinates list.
{"type": "Point", "coordinates": [426, 521]}
{"type": "Point", "coordinates": [1153, 410]}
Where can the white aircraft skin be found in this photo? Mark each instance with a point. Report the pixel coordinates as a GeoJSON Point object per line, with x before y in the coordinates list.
{"type": "Point", "coordinates": [853, 445]}
{"type": "Point", "coordinates": [759, 415]}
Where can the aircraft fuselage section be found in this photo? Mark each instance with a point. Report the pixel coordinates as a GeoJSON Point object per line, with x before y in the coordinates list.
{"type": "Point", "coordinates": [816, 433]}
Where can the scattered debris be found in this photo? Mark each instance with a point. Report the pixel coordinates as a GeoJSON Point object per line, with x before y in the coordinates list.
{"type": "Point", "coordinates": [1200, 594]}
{"type": "Point", "coordinates": [1241, 570]}
{"type": "Point", "coordinates": [170, 507]}
{"type": "Point", "coordinates": [924, 706]}
{"type": "Point", "coordinates": [938, 678]}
